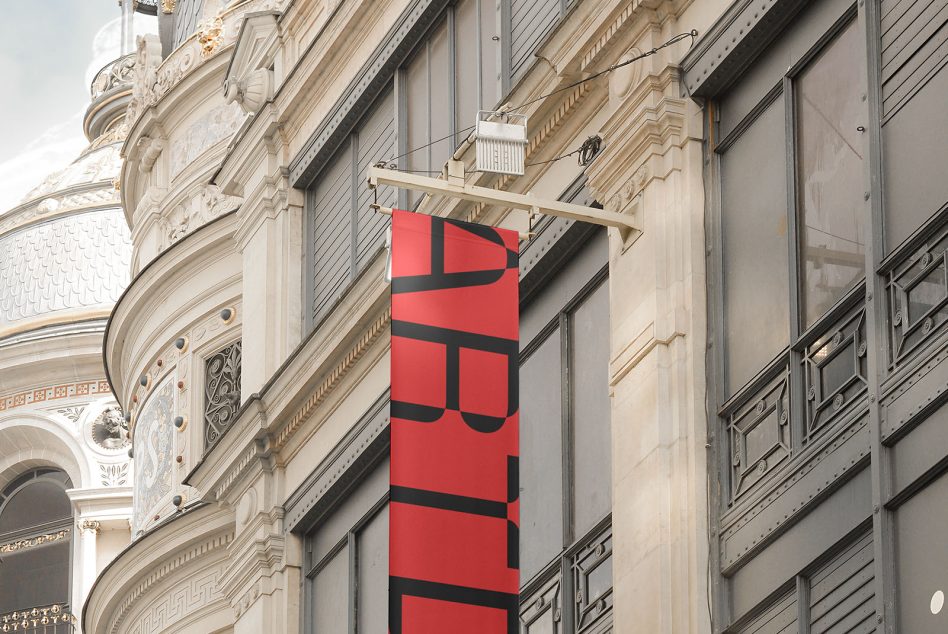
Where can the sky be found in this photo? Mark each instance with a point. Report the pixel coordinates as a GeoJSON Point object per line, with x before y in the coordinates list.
{"type": "Point", "coordinates": [50, 50]}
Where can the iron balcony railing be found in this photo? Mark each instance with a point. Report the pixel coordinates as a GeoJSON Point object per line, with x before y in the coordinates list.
{"type": "Point", "coordinates": [50, 619]}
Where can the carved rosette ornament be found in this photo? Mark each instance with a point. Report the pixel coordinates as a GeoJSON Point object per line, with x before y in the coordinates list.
{"type": "Point", "coordinates": [251, 92]}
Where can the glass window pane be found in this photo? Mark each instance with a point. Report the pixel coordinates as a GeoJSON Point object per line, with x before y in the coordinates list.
{"type": "Point", "coordinates": [441, 108]}
{"type": "Point", "coordinates": [37, 503]}
{"type": "Point", "coordinates": [541, 448]}
{"type": "Point", "coordinates": [589, 383]}
{"type": "Point", "coordinates": [35, 577]}
{"type": "Point", "coordinates": [754, 232]}
{"type": "Point", "coordinates": [831, 183]}
{"type": "Point", "coordinates": [356, 504]}
{"type": "Point", "coordinates": [372, 615]}
{"type": "Point", "coordinates": [331, 595]}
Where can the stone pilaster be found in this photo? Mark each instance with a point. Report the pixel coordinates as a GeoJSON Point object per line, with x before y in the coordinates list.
{"type": "Point", "coordinates": [651, 167]}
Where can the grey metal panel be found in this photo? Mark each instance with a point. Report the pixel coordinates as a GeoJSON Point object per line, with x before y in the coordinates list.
{"type": "Point", "coordinates": [914, 156]}
{"type": "Point", "coordinates": [921, 452]}
{"type": "Point", "coordinates": [793, 492]}
{"type": "Point", "coordinates": [372, 572]}
{"type": "Point", "coordinates": [530, 21]}
{"type": "Point", "coordinates": [541, 488]}
{"type": "Point", "coordinates": [583, 264]}
{"type": "Point", "coordinates": [376, 142]}
{"type": "Point", "coordinates": [922, 559]}
{"type": "Point", "coordinates": [187, 15]}
{"type": "Point", "coordinates": [754, 229]}
{"type": "Point", "coordinates": [591, 414]}
{"type": "Point", "coordinates": [842, 592]}
{"type": "Point", "coordinates": [839, 515]}
{"type": "Point", "coordinates": [758, 75]}
{"type": "Point", "coordinates": [914, 47]}
{"type": "Point", "coordinates": [361, 93]}
{"type": "Point", "coordinates": [330, 596]}
{"type": "Point", "coordinates": [736, 39]}
{"type": "Point", "coordinates": [779, 618]}
{"type": "Point", "coordinates": [331, 233]}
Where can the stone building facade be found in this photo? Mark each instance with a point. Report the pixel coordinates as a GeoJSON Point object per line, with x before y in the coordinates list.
{"type": "Point", "coordinates": [725, 420]}
{"type": "Point", "coordinates": [65, 474]}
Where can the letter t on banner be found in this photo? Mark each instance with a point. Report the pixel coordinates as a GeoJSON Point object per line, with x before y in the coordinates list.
{"type": "Point", "coordinates": [454, 510]}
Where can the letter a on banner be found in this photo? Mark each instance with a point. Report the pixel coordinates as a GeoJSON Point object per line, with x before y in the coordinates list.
{"type": "Point", "coordinates": [454, 509]}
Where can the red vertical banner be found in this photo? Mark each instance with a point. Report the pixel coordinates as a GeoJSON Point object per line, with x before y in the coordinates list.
{"type": "Point", "coordinates": [454, 509]}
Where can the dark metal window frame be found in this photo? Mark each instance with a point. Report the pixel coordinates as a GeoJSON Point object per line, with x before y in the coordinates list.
{"type": "Point", "coordinates": [791, 360]}
{"type": "Point", "coordinates": [23, 481]}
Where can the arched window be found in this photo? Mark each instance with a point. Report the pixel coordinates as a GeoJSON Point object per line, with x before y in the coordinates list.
{"type": "Point", "coordinates": [35, 537]}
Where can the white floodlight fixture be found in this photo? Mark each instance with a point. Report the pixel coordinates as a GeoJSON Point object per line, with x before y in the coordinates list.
{"type": "Point", "coordinates": [500, 142]}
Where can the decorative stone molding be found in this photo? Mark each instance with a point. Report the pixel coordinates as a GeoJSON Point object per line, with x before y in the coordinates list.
{"type": "Point", "coordinates": [195, 212]}
{"type": "Point", "coordinates": [33, 542]}
{"type": "Point", "coordinates": [113, 475]}
{"type": "Point", "coordinates": [210, 35]}
{"type": "Point", "coordinates": [89, 526]}
{"type": "Point", "coordinates": [54, 392]}
{"type": "Point", "coordinates": [249, 80]}
{"type": "Point", "coordinates": [145, 75]}
{"type": "Point", "coordinates": [150, 149]}
{"type": "Point", "coordinates": [109, 431]}
{"type": "Point", "coordinates": [332, 379]}
{"type": "Point", "coordinates": [115, 74]}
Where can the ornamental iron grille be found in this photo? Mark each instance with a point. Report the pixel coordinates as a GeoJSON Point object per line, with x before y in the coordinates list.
{"type": "Point", "coordinates": [918, 298]}
{"type": "Point", "coordinates": [760, 436]}
{"type": "Point", "coordinates": [221, 392]}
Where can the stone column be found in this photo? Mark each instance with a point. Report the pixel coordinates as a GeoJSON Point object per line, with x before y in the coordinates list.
{"type": "Point", "coordinates": [651, 168]}
{"type": "Point", "coordinates": [87, 533]}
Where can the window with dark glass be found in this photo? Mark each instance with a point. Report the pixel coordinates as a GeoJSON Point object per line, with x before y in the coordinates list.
{"type": "Point", "coordinates": [793, 221]}
{"type": "Point", "coordinates": [35, 538]}
{"type": "Point", "coordinates": [565, 448]}
{"type": "Point", "coordinates": [346, 587]}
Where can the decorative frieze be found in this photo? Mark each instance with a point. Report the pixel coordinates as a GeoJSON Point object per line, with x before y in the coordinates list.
{"type": "Point", "coordinates": [33, 542]}
{"type": "Point", "coordinates": [63, 390]}
{"type": "Point", "coordinates": [221, 391]}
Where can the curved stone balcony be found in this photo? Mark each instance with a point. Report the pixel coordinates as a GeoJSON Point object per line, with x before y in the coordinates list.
{"type": "Point", "coordinates": [111, 90]}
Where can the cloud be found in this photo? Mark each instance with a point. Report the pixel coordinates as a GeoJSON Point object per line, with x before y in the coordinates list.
{"type": "Point", "coordinates": [62, 142]}
{"type": "Point", "coordinates": [53, 150]}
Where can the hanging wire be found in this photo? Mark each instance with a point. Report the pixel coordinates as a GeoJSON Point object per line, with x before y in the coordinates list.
{"type": "Point", "coordinates": [587, 151]}
{"type": "Point", "coordinates": [674, 40]}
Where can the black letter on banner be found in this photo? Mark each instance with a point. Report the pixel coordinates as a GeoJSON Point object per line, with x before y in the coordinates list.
{"type": "Point", "coordinates": [454, 340]}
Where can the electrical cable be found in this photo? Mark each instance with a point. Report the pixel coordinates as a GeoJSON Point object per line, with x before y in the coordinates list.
{"type": "Point", "coordinates": [674, 40]}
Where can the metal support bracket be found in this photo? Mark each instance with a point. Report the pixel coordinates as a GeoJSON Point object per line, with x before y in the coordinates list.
{"type": "Point", "coordinates": [454, 187]}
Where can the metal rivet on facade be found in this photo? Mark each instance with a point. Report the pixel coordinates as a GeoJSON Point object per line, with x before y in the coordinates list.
{"type": "Point", "coordinates": [128, 417]}
{"type": "Point", "coordinates": [897, 317]}
{"type": "Point", "coordinates": [862, 349]}
{"type": "Point", "coordinates": [181, 343]}
{"type": "Point", "coordinates": [134, 398]}
{"type": "Point", "coordinates": [227, 315]}
{"type": "Point", "coordinates": [762, 466]}
{"type": "Point", "coordinates": [180, 385]}
{"type": "Point", "coordinates": [157, 517]}
{"type": "Point", "coordinates": [926, 258]}
{"type": "Point", "coordinates": [784, 417]}
{"type": "Point", "coordinates": [179, 459]}
{"type": "Point", "coordinates": [539, 603]}
{"type": "Point", "coordinates": [557, 615]}
{"type": "Point", "coordinates": [865, 196]}
{"type": "Point", "coordinates": [177, 500]}
{"type": "Point", "coordinates": [837, 338]}
{"type": "Point", "coordinates": [143, 380]}
{"type": "Point", "coordinates": [601, 605]}
{"type": "Point", "coordinates": [761, 405]}
{"type": "Point", "coordinates": [159, 363]}
{"type": "Point", "coordinates": [838, 401]}
{"type": "Point", "coordinates": [811, 394]}
{"type": "Point", "coordinates": [180, 422]}
{"type": "Point", "coordinates": [131, 453]}
{"type": "Point", "coordinates": [927, 325]}
{"type": "Point", "coordinates": [600, 549]}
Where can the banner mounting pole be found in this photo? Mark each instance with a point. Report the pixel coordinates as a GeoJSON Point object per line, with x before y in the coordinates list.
{"type": "Point", "coordinates": [526, 202]}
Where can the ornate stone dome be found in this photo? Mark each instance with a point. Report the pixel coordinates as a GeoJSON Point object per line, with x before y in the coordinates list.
{"type": "Point", "coordinates": [65, 251]}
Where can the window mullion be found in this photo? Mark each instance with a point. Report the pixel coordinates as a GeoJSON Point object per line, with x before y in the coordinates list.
{"type": "Point", "coordinates": [566, 429]}
{"type": "Point", "coordinates": [354, 210]}
{"type": "Point", "coordinates": [353, 580]}
{"type": "Point", "coordinates": [796, 399]}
